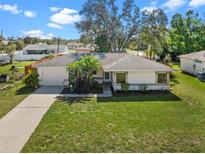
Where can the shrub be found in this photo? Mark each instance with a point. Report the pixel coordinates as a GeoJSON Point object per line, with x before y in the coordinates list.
{"type": "Point", "coordinates": [31, 79]}
{"type": "Point", "coordinates": [125, 86]}
{"type": "Point", "coordinates": [95, 85]}
{"type": "Point", "coordinates": [143, 88]}
{"type": "Point", "coordinates": [13, 69]}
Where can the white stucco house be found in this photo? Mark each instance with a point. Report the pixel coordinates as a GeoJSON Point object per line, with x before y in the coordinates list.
{"type": "Point", "coordinates": [193, 63]}
{"type": "Point", "coordinates": [39, 51]}
{"type": "Point", "coordinates": [36, 52]}
{"type": "Point", "coordinates": [117, 70]}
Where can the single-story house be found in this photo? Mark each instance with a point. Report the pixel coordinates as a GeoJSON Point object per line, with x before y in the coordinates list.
{"type": "Point", "coordinates": [39, 51]}
{"type": "Point", "coordinates": [36, 49]}
{"type": "Point", "coordinates": [118, 69]}
{"type": "Point", "coordinates": [83, 50]}
{"type": "Point", "coordinates": [193, 63]}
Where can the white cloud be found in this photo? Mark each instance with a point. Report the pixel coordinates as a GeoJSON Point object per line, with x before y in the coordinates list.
{"type": "Point", "coordinates": [196, 3]}
{"type": "Point", "coordinates": [54, 9]}
{"type": "Point", "coordinates": [65, 16]}
{"type": "Point", "coordinates": [37, 34]}
{"type": "Point", "coordinates": [172, 5]}
{"type": "Point", "coordinates": [68, 11]}
{"type": "Point", "coordinates": [30, 14]}
{"type": "Point", "coordinates": [153, 3]}
{"type": "Point", "coordinates": [10, 8]}
{"type": "Point", "coordinates": [151, 7]}
{"type": "Point", "coordinates": [52, 25]}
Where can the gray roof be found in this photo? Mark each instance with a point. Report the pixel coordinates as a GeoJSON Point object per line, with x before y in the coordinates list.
{"type": "Point", "coordinates": [111, 62]}
{"type": "Point", "coordinates": [195, 56]}
{"type": "Point", "coordinates": [43, 47]}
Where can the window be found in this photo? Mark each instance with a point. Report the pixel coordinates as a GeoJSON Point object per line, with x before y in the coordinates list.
{"type": "Point", "coordinates": [94, 72]}
{"type": "Point", "coordinates": [107, 76]}
{"type": "Point", "coordinates": [162, 78]}
{"type": "Point", "coordinates": [121, 77]}
{"type": "Point", "coordinates": [198, 61]}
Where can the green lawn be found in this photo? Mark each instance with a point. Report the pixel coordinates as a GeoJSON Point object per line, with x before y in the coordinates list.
{"type": "Point", "coordinates": [172, 122]}
{"type": "Point", "coordinates": [16, 92]}
{"type": "Point", "coordinates": [11, 97]}
{"type": "Point", "coordinates": [19, 65]}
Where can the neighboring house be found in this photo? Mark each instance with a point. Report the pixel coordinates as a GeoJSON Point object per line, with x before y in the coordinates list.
{"type": "Point", "coordinates": [79, 50]}
{"type": "Point", "coordinates": [118, 70]}
{"type": "Point", "coordinates": [74, 45]}
{"type": "Point", "coordinates": [193, 63]}
{"type": "Point", "coordinates": [39, 51]}
{"type": "Point", "coordinates": [5, 42]}
{"type": "Point", "coordinates": [36, 49]}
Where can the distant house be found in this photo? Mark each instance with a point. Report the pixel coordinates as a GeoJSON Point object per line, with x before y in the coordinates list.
{"type": "Point", "coordinates": [78, 50]}
{"type": "Point", "coordinates": [35, 49]}
{"type": "Point", "coordinates": [39, 51]}
{"type": "Point", "coordinates": [118, 69]}
{"type": "Point", "coordinates": [74, 45]}
{"type": "Point", "coordinates": [193, 63]}
{"type": "Point", "coordinates": [5, 42]}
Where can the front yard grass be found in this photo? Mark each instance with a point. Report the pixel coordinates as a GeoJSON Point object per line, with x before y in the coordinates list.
{"type": "Point", "coordinates": [12, 96]}
{"type": "Point", "coordinates": [158, 123]}
{"type": "Point", "coordinates": [15, 92]}
{"type": "Point", "coordinates": [19, 65]}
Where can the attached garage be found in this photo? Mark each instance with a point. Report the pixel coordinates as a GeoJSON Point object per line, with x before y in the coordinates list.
{"type": "Point", "coordinates": [54, 72]}
{"type": "Point", "coordinates": [53, 76]}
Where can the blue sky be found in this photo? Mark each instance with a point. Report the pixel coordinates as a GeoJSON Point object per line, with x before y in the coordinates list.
{"type": "Point", "coordinates": [48, 18]}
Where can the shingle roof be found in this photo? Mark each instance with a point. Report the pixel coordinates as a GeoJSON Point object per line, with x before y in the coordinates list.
{"type": "Point", "coordinates": [58, 61]}
{"type": "Point", "coordinates": [134, 62]}
{"type": "Point", "coordinates": [111, 62]}
{"type": "Point", "coordinates": [195, 56]}
{"type": "Point", "coordinates": [44, 47]}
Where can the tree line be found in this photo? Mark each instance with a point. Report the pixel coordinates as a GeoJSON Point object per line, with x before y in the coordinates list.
{"type": "Point", "coordinates": [109, 28]}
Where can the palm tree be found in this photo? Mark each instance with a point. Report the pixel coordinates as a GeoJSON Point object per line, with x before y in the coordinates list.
{"type": "Point", "coordinates": [84, 69]}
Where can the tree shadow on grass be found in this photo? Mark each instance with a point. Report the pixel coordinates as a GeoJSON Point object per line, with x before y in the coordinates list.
{"type": "Point", "coordinates": [141, 97]}
{"type": "Point", "coordinates": [25, 90]}
{"type": "Point", "coordinates": [74, 100]}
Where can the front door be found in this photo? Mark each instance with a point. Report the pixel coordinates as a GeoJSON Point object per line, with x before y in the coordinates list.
{"type": "Point", "coordinates": [107, 77]}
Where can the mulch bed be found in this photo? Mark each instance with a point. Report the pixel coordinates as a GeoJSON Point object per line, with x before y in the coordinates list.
{"type": "Point", "coordinates": [93, 91]}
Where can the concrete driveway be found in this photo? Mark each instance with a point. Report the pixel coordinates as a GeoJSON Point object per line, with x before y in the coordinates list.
{"type": "Point", "coordinates": [17, 126]}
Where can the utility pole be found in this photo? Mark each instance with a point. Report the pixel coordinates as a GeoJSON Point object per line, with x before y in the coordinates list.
{"type": "Point", "coordinates": [1, 37]}
{"type": "Point", "coordinates": [58, 45]}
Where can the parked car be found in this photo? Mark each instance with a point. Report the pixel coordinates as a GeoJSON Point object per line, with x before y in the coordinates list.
{"type": "Point", "coordinates": [201, 76]}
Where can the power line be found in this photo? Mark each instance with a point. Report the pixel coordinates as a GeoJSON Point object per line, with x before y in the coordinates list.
{"type": "Point", "coordinates": [1, 37]}
{"type": "Point", "coordinates": [58, 45]}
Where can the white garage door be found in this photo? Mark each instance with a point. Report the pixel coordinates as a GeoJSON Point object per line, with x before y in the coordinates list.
{"type": "Point", "coordinates": [53, 76]}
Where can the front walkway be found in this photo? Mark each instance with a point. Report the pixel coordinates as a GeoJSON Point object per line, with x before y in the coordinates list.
{"type": "Point", "coordinates": [106, 93]}
{"type": "Point", "coordinates": [17, 126]}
